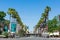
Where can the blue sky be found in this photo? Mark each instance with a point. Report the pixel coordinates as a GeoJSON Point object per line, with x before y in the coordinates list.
{"type": "Point", "coordinates": [30, 10]}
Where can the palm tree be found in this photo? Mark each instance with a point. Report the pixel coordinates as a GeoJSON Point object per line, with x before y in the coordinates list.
{"type": "Point", "coordinates": [2, 14]}
{"type": "Point", "coordinates": [47, 12]}
{"type": "Point", "coordinates": [12, 12]}
{"type": "Point", "coordinates": [44, 17]}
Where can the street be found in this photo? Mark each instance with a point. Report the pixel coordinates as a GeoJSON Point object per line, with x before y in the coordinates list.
{"type": "Point", "coordinates": [30, 38]}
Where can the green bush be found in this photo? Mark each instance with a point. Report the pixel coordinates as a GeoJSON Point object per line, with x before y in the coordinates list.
{"type": "Point", "coordinates": [5, 34]}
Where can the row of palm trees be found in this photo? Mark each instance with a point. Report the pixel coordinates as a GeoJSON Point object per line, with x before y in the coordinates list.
{"type": "Point", "coordinates": [4, 23]}
{"type": "Point", "coordinates": [44, 18]}
{"type": "Point", "coordinates": [14, 14]}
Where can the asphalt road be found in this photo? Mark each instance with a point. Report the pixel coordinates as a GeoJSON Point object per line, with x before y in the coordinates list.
{"type": "Point", "coordinates": [30, 38]}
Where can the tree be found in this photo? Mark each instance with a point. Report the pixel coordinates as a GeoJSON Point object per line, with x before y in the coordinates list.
{"type": "Point", "coordinates": [47, 10]}
{"type": "Point", "coordinates": [2, 15]}
{"type": "Point", "coordinates": [12, 12]}
{"type": "Point", "coordinates": [59, 29]}
{"type": "Point", "coordinates": [6, 22]}
{"type": "Point", "coordinates": [43, 18]}
{"type": "Point", "coordinates": [52, 25]}
{"type": "Point", "coordinates": [15, 15]}
{"type": "Point", "coordinates": [45, 14]}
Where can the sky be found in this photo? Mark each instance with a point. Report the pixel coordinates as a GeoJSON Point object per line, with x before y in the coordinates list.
{"type": "Point", "coordinates": [30, 10]}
